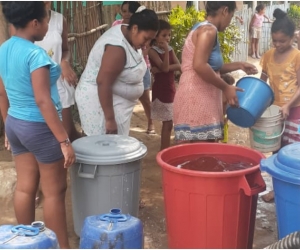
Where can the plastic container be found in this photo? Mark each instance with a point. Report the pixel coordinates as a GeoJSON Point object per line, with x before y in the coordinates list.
{"type": "Point", "coordinates": [284, 167]}
{"type": "Point", "coordinates": [34, 236]}
{"type": "Point", "coordinates": [265, 135]}
{"type": "Point", "coordinates": [106, 174]}
{"type": "Point", "coordinates": [112, 231]}
{"type": "Point", "coordinates": [210, 209]}
{"type": "Point", "coordinates": [255, 99]}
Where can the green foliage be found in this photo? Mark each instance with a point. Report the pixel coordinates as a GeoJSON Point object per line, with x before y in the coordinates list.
{"type": "Point", "coordinates": [182, 22]}
{"type": "Point", "coordinates": [294, 13]}
{"type": "Point", "coordinates": [228, 40]}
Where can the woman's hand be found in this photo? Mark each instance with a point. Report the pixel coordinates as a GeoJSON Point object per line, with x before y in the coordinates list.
{"type": "Point", "coordinates": [248, 68]}
{"type": "Point", "coordinates": [285, 111]}
{"type": "Point", "coordinates": [68, 153]}
{"type": "Point", "coordinates": [230, 94]}
{"type": "Point", "coordinates": [6, 143]}
{"type": "Point", "coordinates": [68, 73]}
{"type": "Point", "coordinates": [111, 127]}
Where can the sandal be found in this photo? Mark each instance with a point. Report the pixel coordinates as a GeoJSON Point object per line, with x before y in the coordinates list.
{"type": "Point", "coordinates": [150, 132]}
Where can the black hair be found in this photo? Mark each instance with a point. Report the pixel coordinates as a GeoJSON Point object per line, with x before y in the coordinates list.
{"type": "Point", "coordinates": [212, 7]}
{"type": "Point", "coordinates": [283, 23]}
{"type": "Point", "coordinates": [163, 25]}
{"type": "Point", "coordinates": [132, 6]}
{"type": "Point", "coordinates": [145, 20]}
{"type": "Point", "coordinates": [20, 13]}
{"type": "Point", "coordinates": [260, 7]}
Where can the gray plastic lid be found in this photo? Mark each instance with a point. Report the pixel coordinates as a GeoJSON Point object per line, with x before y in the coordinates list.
{"type": "Point", "coordinates": [108, 149]}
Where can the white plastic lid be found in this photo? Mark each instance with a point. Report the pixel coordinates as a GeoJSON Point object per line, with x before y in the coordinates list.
{"type": "Point", "coordinates": [108, 149]}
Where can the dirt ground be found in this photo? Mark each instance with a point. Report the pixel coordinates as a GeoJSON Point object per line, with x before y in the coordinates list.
{"type": "Point", "coordinates": [152, 215]}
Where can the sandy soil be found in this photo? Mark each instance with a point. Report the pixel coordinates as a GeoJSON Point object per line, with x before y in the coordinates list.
{"type": "Point", "coordinates": [152, 215]}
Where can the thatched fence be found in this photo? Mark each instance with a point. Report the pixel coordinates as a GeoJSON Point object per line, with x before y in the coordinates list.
{"type": "Point", "coordinates": [87, 20]}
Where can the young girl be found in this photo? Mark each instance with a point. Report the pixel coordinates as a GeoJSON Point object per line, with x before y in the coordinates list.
{"type": "Point", "coordinates": [255, 29]}
{"type": "Point", "coordinates": [164, 62]}
{"type": "Point", "coordinates": [281, 65]}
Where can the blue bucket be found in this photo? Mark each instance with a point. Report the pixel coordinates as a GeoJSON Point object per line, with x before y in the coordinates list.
{"type": "Point", "coordinates": [255, 99]}
{"type": "Point", "coordinates": [285, 172]}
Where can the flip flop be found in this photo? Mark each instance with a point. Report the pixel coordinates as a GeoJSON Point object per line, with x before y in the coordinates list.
{"type": "Point", "coordinates": [150, 132]}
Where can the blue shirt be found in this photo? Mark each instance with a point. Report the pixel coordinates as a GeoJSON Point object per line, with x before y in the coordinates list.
{"type": "Point", "coordinates": [215, 59]}
{"type": "Point", "coordinates": [18, 59]}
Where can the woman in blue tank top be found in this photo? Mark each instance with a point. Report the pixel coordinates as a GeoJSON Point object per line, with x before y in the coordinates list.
{"type": "Point", "coordinates": [201, 87]}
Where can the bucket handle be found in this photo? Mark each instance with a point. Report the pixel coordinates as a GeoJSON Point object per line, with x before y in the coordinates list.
{"type": "Point", "coordinates": [271, 137]}
{"type": "Point", "coordinates": [86, 175]}
{"type": "Point", "coordinates": [257, 188]}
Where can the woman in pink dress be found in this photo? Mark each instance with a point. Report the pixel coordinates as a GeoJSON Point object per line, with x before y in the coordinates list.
{"type": "Point", "coordinates": [198, 113]}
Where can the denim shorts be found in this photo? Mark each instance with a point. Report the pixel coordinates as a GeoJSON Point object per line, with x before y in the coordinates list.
{"type": "Point", "coordinates": [33, 137]}
{"type": "Point", "coordinates": [147, 80]}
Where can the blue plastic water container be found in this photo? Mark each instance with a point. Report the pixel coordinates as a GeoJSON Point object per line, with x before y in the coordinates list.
{"type": "Point", "coordinates": [284, 167]}
{"type": "Point", "coordinates": [112, 231]}
{"type": "Point", "coordinates": [255, 99]}
{"type": "Point", "coordinates": [34, 236]}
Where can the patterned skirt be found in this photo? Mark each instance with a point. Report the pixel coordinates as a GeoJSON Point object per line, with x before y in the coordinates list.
{"type": "Point", "coordinates": [198, 109]}
{"type": "Point", "coordinates": [292, 127]}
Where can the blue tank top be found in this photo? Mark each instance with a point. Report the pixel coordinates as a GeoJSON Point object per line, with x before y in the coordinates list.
{"type": "Point", "coordinates": [215, 59]}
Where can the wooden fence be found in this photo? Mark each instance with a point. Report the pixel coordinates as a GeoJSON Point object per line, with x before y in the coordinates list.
{"type": "Point", "coordinates": [87, 20]}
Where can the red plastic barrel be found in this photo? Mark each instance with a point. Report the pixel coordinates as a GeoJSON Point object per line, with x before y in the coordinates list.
{"type": "Point", "coordinates": [210, 209]}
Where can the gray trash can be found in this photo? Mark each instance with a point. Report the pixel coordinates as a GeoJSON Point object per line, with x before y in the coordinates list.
{"type": "Point", "coordinates": [106, 175]}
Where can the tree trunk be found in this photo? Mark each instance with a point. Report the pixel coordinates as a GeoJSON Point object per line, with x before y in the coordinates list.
{"type": "Point", "coordinates": [3, 38]}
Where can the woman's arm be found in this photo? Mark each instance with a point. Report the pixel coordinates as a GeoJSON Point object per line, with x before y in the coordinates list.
{"type": "Point", "coordinates": [204, 39]}
{"type": "Point", "coordinates": [40, 79]}
{"type": "Point", "coordinates": [113, 62]}
{"type": "Point", "coordinates": [163, 66]}
{"type": "Point", "coordinates": [67, 71]}
{"type": "Point", "coordinates": [4, 103]}
{"type": "Point", "coordinates": [248, 68]}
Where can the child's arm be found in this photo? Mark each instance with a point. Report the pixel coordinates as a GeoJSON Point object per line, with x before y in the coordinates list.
{"type": "Point", "coordinates": [163, 66]}
{"type": "Point", "coordinates": [240, 19]}
{"type": "Point", "coordinates": [269, 20]}
{"type": "Point", "coordinates": [264, 76]}
{"type": "Point", "coordinates": [176, 65]}
{"type": "Point", "coordinates": [251, 23]}
{"type": "Point", "coordinates": [285, 109]}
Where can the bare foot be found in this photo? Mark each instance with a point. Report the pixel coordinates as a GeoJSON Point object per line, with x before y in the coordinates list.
{"type": "Point", "coordinates": [258, 56]}
{"type": "Point", "coordinates": [253, 56]}
{"type": "Point", "coordinates": [269, 197]}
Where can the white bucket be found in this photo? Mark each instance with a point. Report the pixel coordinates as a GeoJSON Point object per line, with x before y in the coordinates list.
{"type": "Point", "coordinates": [265, 134]}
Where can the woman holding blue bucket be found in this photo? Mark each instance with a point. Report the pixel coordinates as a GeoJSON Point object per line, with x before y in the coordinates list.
{"type": "Point", "coordinates": [281, 65]}
{"type": "Point", "coordinates": [201, 87]}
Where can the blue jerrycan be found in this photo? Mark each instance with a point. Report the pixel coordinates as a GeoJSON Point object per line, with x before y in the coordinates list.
{"type": "Point", "coordinates": [112, 231]}
{"type": "Point", "coordinates": [34, 236]}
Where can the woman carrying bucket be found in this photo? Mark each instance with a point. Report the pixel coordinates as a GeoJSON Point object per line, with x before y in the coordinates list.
{"type": "Point", "coordinates": [281, 65]}
{"type": "Point", "coordinates": [200, 86]}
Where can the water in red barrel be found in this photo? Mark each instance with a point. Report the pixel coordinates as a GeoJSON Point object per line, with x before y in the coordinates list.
{"type": "Point", "coordinates": [209, 163]}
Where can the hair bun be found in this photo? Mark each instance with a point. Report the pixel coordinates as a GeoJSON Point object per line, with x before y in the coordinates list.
{"type": "Point", "coordinates": [279, 14]}
{"type": "Point", "coordinates": [140, 9]}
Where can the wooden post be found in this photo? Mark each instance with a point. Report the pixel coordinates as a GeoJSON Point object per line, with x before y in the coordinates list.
{"type": "Point", "coordinates": [3, 38]}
